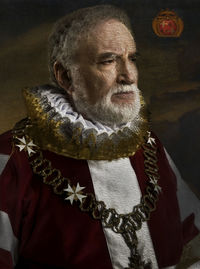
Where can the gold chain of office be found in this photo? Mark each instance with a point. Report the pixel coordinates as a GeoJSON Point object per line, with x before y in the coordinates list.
{"type": "Point", "coordinates": [125, 224]}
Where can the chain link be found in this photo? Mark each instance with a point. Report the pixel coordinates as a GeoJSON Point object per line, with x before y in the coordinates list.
{"type": "Point", "coordinates": [125, 224]}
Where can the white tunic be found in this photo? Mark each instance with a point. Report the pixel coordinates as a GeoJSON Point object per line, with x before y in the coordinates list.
{"type": "Point", "coordinates": [116, 184]}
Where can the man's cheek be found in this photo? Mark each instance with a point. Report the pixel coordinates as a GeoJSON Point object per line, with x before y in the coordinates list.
{"type": "Point", "coordinates": [108, 78]}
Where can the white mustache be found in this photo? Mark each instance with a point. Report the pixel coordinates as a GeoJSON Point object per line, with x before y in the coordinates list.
{"type": "Point", "coordinates": [124, 89]}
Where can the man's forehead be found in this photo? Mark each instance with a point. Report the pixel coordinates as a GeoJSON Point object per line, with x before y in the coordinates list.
{"type": "Point", "coordinates": [109, 37]}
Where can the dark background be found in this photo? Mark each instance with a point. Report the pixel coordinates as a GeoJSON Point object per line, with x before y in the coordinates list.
{"type": "Point", "coordinates": [169, 67]}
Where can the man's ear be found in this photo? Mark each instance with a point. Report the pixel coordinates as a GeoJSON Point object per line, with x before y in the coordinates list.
{"type": "Point", "coordinates": [63, 77]}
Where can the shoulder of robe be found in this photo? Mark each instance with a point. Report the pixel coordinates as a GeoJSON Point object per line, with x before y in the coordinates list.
{"type": "Point", "coordinates": [6, 143]}
{"type": "Point", "coordinates": [8, 149]}
{"type": "Point", "coordinates": [5, 148]}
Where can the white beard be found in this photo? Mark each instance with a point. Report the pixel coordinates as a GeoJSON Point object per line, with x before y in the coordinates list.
{"type": "Point", "coordinates": [105, 111]}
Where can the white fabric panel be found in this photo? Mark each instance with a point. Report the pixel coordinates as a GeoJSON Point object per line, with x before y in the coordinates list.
{"type": "Point", "coordinates": [3, 161]}
{"type": "Point", "coordinates": [188, 202]}
{"type": "Point", "coordinates": [195, 266]}
{"type": "Point", "coordinates": [116, 184]}
{"type": "Point", "coordinates": [8, 241]}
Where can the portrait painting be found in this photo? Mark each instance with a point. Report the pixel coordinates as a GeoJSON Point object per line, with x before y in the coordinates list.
{"type": "Point", "coordinates": [168, 67]}
{"type": "Point", "coordinates": [99, 134]}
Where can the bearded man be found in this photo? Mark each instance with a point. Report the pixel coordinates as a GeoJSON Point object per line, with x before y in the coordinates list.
{"type": "Point", "coordinates": [87, 184]}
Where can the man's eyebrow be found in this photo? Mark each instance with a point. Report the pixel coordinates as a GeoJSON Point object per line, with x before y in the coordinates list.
{"type": "Point", "coordinates": [134, 54]}
{"type": "Point", "coordinates": [106, 55]}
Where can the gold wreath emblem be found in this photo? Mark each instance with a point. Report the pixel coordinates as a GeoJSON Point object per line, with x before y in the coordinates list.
{"type": "Point", "coordinates": [167, 24]}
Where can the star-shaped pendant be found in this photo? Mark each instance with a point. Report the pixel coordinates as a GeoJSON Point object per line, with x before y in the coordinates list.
{"type": "Point", "coordinates": [154, 182]}
{"type": "Point", "coordinates": [150, 139]}
{"type": "Point", "coordinates": [75, 193]}
{"type": "Point", "coordinates": [27, 146]}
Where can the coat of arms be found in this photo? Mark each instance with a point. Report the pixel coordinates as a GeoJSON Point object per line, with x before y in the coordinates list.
{"type": "Point", "coordinates": [167, 24]}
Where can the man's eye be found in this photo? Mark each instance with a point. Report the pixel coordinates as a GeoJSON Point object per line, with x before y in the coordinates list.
{"type": "Point", "coordinates": [105, 62]}
{"type": "Point", "coordinates": [133, 59]}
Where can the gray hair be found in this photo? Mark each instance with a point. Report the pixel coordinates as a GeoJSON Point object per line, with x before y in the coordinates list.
{"type": "Point", "coordinates": [68, 31]}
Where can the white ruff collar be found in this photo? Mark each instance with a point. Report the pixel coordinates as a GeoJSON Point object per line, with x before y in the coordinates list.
{"type": "Point", "coordinates": [62, 106]}
{"type": "Point", "coordinates": [57, 127]}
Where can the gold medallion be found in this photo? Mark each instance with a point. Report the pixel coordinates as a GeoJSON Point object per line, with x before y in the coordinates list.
{"type": "Point", "coordinates": [167, 24]}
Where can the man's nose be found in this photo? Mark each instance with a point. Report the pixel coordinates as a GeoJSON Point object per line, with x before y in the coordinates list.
{"type": "Point", "coordinates": [127, 73]}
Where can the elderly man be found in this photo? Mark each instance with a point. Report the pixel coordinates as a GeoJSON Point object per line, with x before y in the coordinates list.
{"type": "Point", "coordinates": [87, 184]}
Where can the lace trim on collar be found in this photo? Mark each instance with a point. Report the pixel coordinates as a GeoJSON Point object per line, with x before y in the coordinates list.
{"type": "Point", "coordinates": [62, 106]}
{"type": "Point", "coordinates": [58, 128]}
